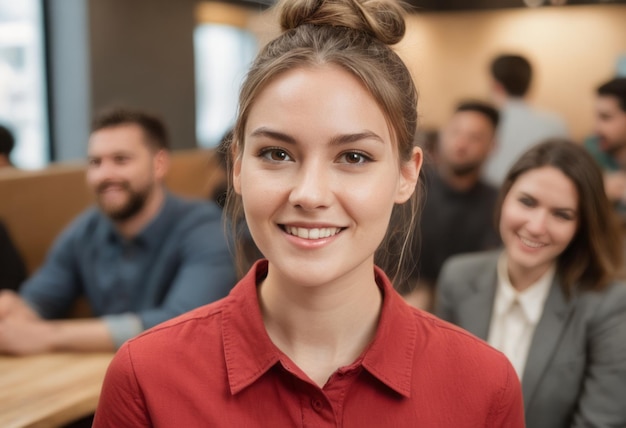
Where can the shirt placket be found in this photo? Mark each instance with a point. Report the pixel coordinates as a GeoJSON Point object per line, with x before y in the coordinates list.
{"type": "Point", "coordinates": [515, 327]}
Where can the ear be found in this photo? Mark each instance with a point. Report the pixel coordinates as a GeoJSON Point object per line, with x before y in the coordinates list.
{"type": "Point", "coordinates": [409, 174]}
{"type": "Point", "coordinates": [161, 164]}
{"type": "Point", "coordinates": [236, 170]}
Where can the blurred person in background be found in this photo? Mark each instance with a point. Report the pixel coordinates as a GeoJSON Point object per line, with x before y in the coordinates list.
{"type": "Point", "coordinates": [12, 268]}
{"type": "Point", "coordinates": [140, 257]}
{"type": "Point", "coordinates": [608, 144]}
{"type": "Point", "coordinates": [550, 300]}
{"type": "Point", "coordinates": [7, 143]}
{"type": "Point", "coordinates": [522, 125]}
{"type": "Point", "coordinates": [458, 210]}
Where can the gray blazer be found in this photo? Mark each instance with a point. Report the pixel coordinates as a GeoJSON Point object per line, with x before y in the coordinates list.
{"type": "Point", "coordinates": [575, 375]}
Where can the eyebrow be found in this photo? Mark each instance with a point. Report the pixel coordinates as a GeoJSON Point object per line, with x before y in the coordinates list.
{"type": "Point", "coordinates": [337, 140]}
{"type": "Point", "coordinates": [572, 210]}
{"type": "Point", "coordinates": [118, 153]}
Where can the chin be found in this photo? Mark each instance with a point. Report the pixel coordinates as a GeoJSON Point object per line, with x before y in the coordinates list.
{"type": "Point", "coordinates": [116, 213]}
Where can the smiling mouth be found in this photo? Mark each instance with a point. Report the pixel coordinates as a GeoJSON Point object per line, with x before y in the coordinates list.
{"type": "Point", "coordinates": [313, 233]}
{"type": "Point", "coordinates": [532, 244]}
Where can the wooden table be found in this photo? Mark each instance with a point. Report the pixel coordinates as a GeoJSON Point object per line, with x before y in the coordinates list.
{"type": "Point", "coordinates": [51, 389]}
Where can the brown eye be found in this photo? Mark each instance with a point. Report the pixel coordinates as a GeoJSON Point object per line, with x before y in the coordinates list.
{"type": "Point", "coordinates": [275, 155]}
{"type": "Point", "coordinates": [278, 155]}
{"type": "Point", "coordinates": [354, 158]}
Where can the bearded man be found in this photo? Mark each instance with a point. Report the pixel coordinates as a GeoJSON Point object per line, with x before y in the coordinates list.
{"type": "Point", "coordinates": [608, 144]}
{"type": "Point", "coordinates": [458, 210]}
{"type": "Point", "coordinates": [140, 257]}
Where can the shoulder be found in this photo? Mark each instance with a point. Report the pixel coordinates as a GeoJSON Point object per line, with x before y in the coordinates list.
{"type": "Point", "coordinates": [550, 122]}
{"type": "Point", "coordinates": [451, 348]}
{"type": "Point", "coordinates": [465, 266]}
{"type": "Point", "coordinates": [189, 208]}
{"type": "Point", "coordinates": [608, 301]}
{"type": "Point", "coordinates": [198, 326]}
{"type": "Point", "coordinates": [84, 226]}
{"type": "Point", "coordinates": [193, 217]}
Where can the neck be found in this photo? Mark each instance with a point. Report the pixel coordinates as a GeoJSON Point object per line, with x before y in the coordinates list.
{"type": "Point", "coordinates": [324, 327]}
{"type": "Point", "coordinates": [521, 279]}
{"type": "Point", "coordinates": [131, 227]}
{"type": "Point", "coordinates": [459, 182]}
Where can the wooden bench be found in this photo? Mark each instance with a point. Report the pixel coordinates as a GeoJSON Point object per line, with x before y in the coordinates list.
{"type": "Point", "coordinates": [37, 205]}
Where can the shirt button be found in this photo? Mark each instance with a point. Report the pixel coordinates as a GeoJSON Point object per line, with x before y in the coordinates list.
{"type": "Point", "coordinates": [317, 405]}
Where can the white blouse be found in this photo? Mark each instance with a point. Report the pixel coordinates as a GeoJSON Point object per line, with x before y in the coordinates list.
{"type": "Point", "coordinates": [516, 314]}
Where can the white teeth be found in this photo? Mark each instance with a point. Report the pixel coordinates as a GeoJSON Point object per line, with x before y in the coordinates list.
{"type": "Point", "coordinates": [532, 244]}
{"type": "Point", "coordinates": [315, 233]}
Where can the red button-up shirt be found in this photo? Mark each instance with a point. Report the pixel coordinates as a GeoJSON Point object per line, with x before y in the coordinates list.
{"type": "Point", "coordinates": [217, 367]}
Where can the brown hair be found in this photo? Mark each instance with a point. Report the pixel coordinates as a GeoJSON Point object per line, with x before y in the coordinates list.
{"type": "Point", "coordinates": [594, 256]}
{"type": "Point", "coordinates": [513, 72]}
{"type": "Point", "coordinates": [614, 88]}
{"type": "Point", "coordinates": [154, 129]}
{"type": "Point", "coordinates": [354, 35]}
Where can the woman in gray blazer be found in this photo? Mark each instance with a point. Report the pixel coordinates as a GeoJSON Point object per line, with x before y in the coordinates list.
{"type": "Point", "coordinates": [549, 300]}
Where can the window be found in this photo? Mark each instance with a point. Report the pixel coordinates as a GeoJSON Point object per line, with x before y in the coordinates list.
{"type": "Point", "coordinates": [223, 54]}
{"type": "Point", "coordinates": [22, 83]}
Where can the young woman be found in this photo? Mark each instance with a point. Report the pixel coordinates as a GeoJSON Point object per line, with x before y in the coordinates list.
{"type": "Point", "coordinates": [549, 300]}
{"type": "Point", "coordinates": [314, 334]}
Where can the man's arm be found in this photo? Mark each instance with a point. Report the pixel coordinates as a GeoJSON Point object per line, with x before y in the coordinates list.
{"type": "Point", "coordinates": [24, 332]}
{"type": "Point", "coordinates": [604, 386]}
{"type": "Point", "coordinates": [53, 289]}
{"type": "Point", "coordinates": [28, 336]}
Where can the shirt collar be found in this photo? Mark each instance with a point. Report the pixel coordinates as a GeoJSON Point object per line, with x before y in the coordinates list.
{"type": "Point", "coordinates": [250, 353]}
{"type": "Point", "coordinates": [531, 299]}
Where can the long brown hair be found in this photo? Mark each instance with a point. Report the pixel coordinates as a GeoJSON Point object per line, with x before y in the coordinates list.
{"type": "Point", "coordinates": [354, 35]}
{"type": "Point", "coordinates": [594, 256]}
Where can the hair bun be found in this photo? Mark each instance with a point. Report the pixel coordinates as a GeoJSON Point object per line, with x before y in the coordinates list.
{"type": "Point", "coordinates": [383, 19]}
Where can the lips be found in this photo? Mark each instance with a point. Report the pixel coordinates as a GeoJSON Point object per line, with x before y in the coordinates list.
{"type": "Point", "coordinates": [312, 233]}
{"type": "Point", "coordinates": [108, 186]}
{"type": "Point", "coordinates": [532, 244]}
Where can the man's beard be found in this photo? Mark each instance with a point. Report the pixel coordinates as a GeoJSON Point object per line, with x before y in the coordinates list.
{"type": "Point", "coordinates": [463, 170]}
{"type": "Point", "coordinates": [133, 205]}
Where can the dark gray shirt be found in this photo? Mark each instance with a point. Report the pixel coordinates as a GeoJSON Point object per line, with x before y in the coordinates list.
{"type": "Point", "coordinates": [453, 222]}
{"type": "Point", "coordinates": [178, 262]}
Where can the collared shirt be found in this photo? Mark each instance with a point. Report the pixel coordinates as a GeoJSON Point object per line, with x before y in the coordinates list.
{"type": "Point", "coordinates": [603, 158]}
{"type": "Point", "coordinates": [178, 262]}
{"type": "Point", "coordinates": [452, 222]}
{"type": "Point", "coordinates": [217, 367]}
{"type": "Point", "coordinates": [516, 315]}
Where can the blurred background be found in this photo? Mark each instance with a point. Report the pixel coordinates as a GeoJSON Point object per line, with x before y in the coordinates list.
{"type": "Point", "coordinates": [62, 61]}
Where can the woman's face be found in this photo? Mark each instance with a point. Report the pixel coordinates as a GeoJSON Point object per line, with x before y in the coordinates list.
{"type": "Point", "coordinates": [539, 219]}
{"type": "Point", "coordinates": [319, 175]}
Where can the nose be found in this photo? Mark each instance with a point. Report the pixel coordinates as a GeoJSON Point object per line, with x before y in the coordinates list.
{"type": "Point", "coordinates": [311, 188]}
{"type": "Point", "coordinates": [104, 171]}
{"type": "Point", "coordinates": [537, 222]}
{"type": "Point", "coordinates": [461, 144]}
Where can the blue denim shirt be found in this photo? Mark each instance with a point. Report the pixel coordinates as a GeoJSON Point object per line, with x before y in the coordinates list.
{"type": "Point", "coordinates": [179, 261]}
